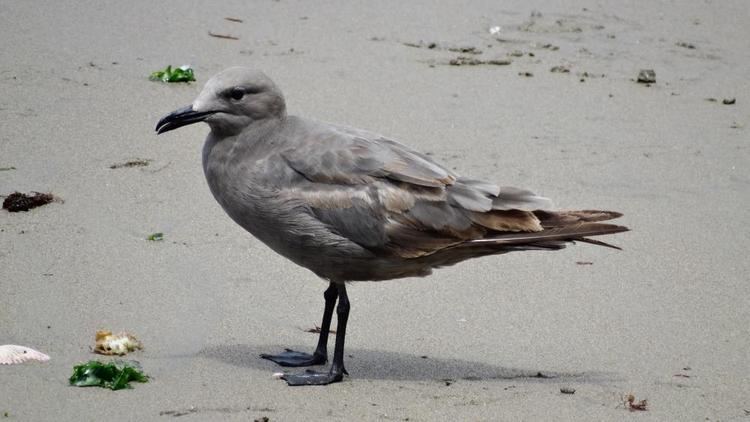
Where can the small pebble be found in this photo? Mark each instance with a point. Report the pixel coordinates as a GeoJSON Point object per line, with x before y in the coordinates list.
{"type": "Point", "coordinates": [647, 76]}
{"type": "Point", "coordinates": [729, 101]}
{"type": "Point", "coordinates": [567, 390]}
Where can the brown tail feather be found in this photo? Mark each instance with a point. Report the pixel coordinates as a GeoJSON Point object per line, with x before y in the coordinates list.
{"type": "Point", "coordinates": [548, 239]}
{"type": "Point", "coordinates": [598, 242]}
{"type": "Point", "coordinates": [574, 232]}
{"type": "Point", "coordinates": [550, 219]}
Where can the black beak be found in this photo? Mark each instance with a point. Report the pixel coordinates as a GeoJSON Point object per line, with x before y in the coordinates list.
{"type": "Point", "coordinates": [181, 117]}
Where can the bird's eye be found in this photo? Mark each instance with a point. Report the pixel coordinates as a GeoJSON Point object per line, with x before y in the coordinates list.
{"type": "Point", "coordinates": [236, 93]}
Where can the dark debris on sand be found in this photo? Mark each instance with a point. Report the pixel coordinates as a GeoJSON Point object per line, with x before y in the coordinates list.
{"type": "Point", "coordinates": [471, 61]}
{"type": "Point", "coordinates": [316, 330]}
{"type": "Point", "coordinates": [635, 405]}
{"type": "Point", "coordinates": [131, 163]}
{"type": "Point", "coordinates": [18, 201]}
{"type": "Point", "coordinates": [687, 45]}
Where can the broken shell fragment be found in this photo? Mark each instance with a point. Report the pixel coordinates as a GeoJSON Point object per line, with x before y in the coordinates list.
{"type": "Point", "coordinates": [11, 354]}
{"type": "Point", "coordinates": [118, 344]}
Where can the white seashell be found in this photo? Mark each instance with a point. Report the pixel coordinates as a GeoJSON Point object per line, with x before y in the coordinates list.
{"type": "Point", "coordinates": [11, 354]}
{"type": "Point", "coordinates": [494, 30]}
{"type": "Point", "coordinates": [118, 344]}
{"type": "Point", "coordinates": [277, 375]}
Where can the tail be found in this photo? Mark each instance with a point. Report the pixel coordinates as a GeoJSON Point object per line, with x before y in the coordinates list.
{"type": "Point", "coordinates": [559, 227]}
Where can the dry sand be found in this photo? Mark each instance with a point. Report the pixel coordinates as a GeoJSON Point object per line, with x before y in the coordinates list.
{"type": "Point", "coordinates": [666, 319]}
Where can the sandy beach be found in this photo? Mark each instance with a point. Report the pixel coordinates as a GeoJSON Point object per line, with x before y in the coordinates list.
{"type": "Point", "coordinates": [545, 97]}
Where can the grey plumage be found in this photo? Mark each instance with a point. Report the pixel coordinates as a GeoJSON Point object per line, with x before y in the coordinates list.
{"type": "Point", "coordinates": [352, 205]}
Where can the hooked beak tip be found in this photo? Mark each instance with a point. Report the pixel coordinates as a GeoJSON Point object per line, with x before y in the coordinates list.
{"type": "Point", "coordinates": [180, 117]}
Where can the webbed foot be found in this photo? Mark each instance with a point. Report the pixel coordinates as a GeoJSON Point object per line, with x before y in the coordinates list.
{"type": "Point", "coordinates": [311, 377]}
{"type": "Point", "coordinates": [293, 358]}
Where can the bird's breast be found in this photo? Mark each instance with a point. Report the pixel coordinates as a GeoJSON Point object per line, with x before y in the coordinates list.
{"type": "Point", "coordinates": [232, 183]}
{"type": "Point", "coordinates": [251, 190]}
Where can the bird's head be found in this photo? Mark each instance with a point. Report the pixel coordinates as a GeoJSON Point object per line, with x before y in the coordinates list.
{"type": "Point", "coordinates": [229, 102]}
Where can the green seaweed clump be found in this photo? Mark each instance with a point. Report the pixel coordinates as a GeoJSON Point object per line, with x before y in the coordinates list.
{"type": "Point", "coordinates": [178, 74]}
{"type": "Point", "coordinates": [113, 375]}
{"type": "Point", "coordinates": [155, 237]}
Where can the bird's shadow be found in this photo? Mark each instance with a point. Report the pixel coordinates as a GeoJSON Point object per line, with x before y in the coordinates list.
{"type": "Point", "coordinates": [386, 365]}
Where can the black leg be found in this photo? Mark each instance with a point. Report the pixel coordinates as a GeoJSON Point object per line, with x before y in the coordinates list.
{"type": "Point", "coordinates": [320, 356]}
{"type": "Point", "coordinates": [337, 371]}
{"type": "Point", "coordinates": [330, 295]}
{"type": "Point", "coordinates": [342, 313]}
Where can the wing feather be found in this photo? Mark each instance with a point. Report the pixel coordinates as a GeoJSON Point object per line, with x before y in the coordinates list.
{"type": "Point", "coordinates": [387, 197]}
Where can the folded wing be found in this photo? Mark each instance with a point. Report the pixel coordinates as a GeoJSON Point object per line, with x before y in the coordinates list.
{"type": "Point", "coordinates": [392, 200]}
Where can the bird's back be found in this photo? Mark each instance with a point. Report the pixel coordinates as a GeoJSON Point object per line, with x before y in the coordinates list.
{"type": "Point", "coordinates": [353, 205]}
